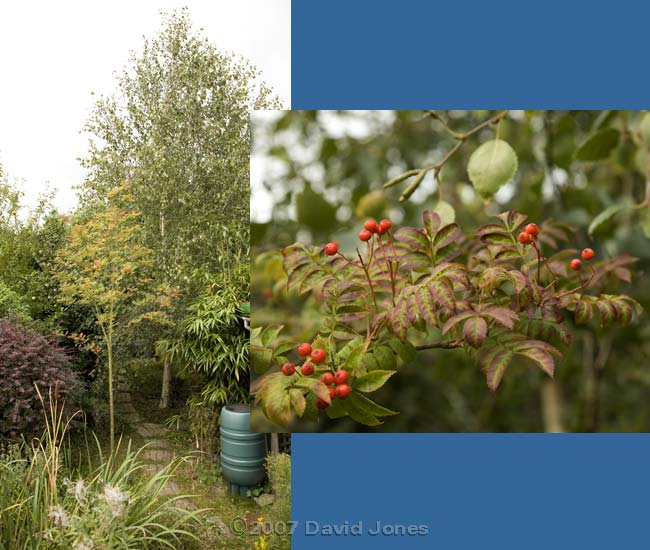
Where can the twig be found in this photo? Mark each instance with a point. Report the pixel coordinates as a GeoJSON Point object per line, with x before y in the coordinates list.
{"type": "Point", "coordinates": [437, 167]}
{"type": "Point", "coordinates": [440, 345]}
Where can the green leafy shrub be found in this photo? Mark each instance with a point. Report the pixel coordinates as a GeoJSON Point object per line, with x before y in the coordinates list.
{"type": "Point", "coordinates": [11, 304]}
{"type": "Point", "coordinates": [212, 342]}
{"type": "Point", "coordinates": [28, 359]}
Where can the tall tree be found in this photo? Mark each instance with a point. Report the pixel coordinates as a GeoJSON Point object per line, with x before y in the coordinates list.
{"type": "Point", "coordinates": [104, 265]}
{"type": "Point", "coordinates": [178, 130]}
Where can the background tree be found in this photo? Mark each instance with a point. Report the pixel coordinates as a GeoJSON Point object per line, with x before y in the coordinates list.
{"type": "Point", "coordinates": [178, 130]}
{"type": "Point", "coordinates": [324, 173]}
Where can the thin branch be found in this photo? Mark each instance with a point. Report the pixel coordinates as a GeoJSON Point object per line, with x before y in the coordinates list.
{"type": "Point", "coordinates": [437, 167]}
{"type": "Point", "coordinates": [440, 345]}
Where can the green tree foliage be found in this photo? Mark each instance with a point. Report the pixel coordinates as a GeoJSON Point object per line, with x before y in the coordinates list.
{"type": "Point", "coordinates": [178, 130]}
{"type": "Point", "coordinates": [586, 169]}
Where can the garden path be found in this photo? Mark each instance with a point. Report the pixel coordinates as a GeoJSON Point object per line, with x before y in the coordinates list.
{"type": "Point", "coordinates": [159, 452]}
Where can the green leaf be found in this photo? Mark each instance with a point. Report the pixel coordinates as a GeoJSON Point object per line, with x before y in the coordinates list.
{"type": "Point", "coordinates": [583, 312]}
{"type": "Point", "coordinates": [298, 401]}
{"type": "Point", "coordinates": [446, 213]}
{"type": "Point", "coordinates": [385, 358]}
{"type": "Point", "coordinates": [363, 410]}
{"type": "Point", "coordinates": [336, 409]}
{"type": "Point", "coordinates": [275, 399]}
{"type": "Point", "coordinates": [260, 358]}
{"type": "Point", "coordinates": [599, 145]}
{"type": "Point", "coordinates": [604, 216]}
{"type": "Point", "coordinates": [313, 385]}
{"type": "Point", "coordinates": [492, 165]}
{"type": "Point", "coordinates": [373, 380]}
{"type": "Point", "coordinates": [475, 331]}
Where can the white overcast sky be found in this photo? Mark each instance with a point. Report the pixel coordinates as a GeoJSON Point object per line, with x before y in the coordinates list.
{"type": "Point", "coordinates": [54, 54]}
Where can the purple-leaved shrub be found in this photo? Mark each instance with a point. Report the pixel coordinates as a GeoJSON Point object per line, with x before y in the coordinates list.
{"type": "Point", "coordinates": [28, 358]}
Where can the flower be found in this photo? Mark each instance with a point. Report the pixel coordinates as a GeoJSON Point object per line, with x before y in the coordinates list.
{"type": "Point", "coordinates": [58, 514]}
{"type": "Point", "coordinates": [115, 499]}
{"type": "Point", "coordinates": [86, 544]}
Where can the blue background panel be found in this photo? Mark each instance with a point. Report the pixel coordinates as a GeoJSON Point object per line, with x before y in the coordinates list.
{"type": "Point", "coordinates": [511, 54]}
{"type": "Point", "coordinates": [506, 491]}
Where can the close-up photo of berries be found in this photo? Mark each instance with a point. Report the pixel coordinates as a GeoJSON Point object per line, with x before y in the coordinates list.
{"type": "Point", "coordinates": [450, 271]}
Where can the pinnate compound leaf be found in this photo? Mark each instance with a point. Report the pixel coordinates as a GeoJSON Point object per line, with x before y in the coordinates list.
{"type": "Point", "coordinates": [475, 331]}
{"type": "Point", "coordinates": [373, 380]}
{"type": "Point", "coordinates": [492, 165]}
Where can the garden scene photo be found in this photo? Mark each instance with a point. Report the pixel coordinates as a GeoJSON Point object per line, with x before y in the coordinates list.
{"type": "Point", "coordinates": [124, 322]}
{"type": "Point", "coordinates": [450, 271]}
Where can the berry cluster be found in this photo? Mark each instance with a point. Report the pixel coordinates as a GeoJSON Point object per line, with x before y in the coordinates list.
{"type": "Point", "coordinates": [587, 254]}
{"type": "Point", "coordinates": [336, 382]}
{"type": "Point", "coordinates": [370, 228]}
{"type": "Point", "coordinates": [528, 236]}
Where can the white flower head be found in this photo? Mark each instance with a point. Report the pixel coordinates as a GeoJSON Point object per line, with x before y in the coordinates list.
{"type": "Point", "coordinates": [115, 499]}
{"type": "Point", "coordinates": [80, 491]}
{"type": "Point", "coordinates": [58, 514]}
{"type": "Point", "coordinates": [86, 544]}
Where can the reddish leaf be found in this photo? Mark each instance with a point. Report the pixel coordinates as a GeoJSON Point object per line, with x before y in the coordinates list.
{"type": "Point", "coordinates": [431, 222]}
{"type": "Point", "coordinates": [455, 319]}
{"type": "Point", "coordinates": [446, 236]}
{"type": "Point", "coordinates": [443, 294]}
{"type": "Point", "coordinates": [541, 357]}
{"type": "Point", "coordinates": [475, 331]}
{"type": "Point", "coordinates": [502, 315]}
{"type": "Point", "coordinates": [426, 305]}
{"type": "Point", "coordinates": [496, 367]}
{"type": "Point", "coordinates": [412, 237]}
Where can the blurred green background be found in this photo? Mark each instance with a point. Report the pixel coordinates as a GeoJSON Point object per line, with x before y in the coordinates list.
{"type": "Point", "coordinates": [316, 175]}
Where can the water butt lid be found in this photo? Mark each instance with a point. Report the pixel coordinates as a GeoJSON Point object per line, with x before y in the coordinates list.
{"type": "Point", "coordinates": [239, 408]}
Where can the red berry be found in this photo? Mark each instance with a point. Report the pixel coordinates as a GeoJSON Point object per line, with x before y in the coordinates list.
{"type": "Point", "coordinates": [318, 355]}
{"type": "Point", "coordinates": [588, 254]}
{"type": "Point", "coordinates": [288, 369]}
{"type": "Point", "coordinates": [385, 225]}
{"type": "Point", "coordinates": [532, 229]}
{"type": "Point", "coordinates": [341, 376]}
{"type": "Point", "coordinates": [343, 391]}
{"type": "Point", "coordinates": [327, 378]}
{"type": "Point", "coordinates": [576, 264]}
{"type": "Point", "coordinates": [304, 349]}
{"type": "Point", "coordinates": [524, 238]}
{"type": "Point", "coordinates": [332, 393]}
{"type": "Point", "coordinates": [365, 235]}
{"type": "Point", "coordinates": [321, 403]}
{"type": "Point", "coordinates": [371, 225]}
{"type": "Point", "coordinates": [307, 369]}
{"type": "Point", "coordinates": [331, 248]}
